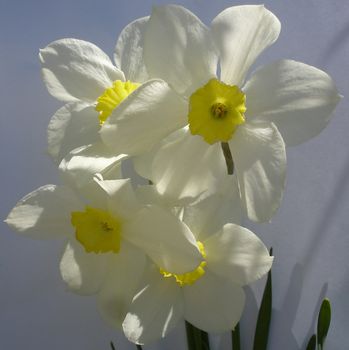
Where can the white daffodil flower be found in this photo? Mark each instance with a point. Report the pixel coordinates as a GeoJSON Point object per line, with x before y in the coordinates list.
{"type": "Point", "coordinates": [108, 237]}
{"type": "Point", "coordinates": [82, 75]}
{"type": "Point", "coordinates": [211, 296]}
{"type": "Point", "coordinates": [226, 120]}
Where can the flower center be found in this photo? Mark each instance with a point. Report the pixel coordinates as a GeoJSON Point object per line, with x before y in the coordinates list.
{"type": "Point", "coordinates": [112, 97]}
{"type": "Point", "coordinates": [189, 277]}
{"type": "Point", "coordinates": [97, 230]}
{"type": "Point", "coordinates": [216, 110]}
{"type": "Point", "coordinates": [219, 110]}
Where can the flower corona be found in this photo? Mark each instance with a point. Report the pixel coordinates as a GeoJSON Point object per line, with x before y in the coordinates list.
{"type": "Point", "coordinates": [189, 278]}
{"type": "Point", "coordinates": [97, 230]}
{"type": "Point", "coordinates": [112, 97]}
{"type": "Point", "coordinates": [216, 110]}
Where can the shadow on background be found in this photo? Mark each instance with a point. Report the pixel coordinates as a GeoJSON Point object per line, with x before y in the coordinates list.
{"type": "Point", "coordinates": [335, 45]}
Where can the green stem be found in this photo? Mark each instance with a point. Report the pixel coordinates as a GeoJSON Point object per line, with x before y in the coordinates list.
{"type": "Point", "coordinates": [228, 157]}
{"type": "Point", "coordinates": [112, 346]}
{"type": "Point", "coordinates": [235, 338]}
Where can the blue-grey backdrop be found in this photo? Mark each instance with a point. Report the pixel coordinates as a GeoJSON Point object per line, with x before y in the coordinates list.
{"type": "Point", "coordinates": [310, 233]}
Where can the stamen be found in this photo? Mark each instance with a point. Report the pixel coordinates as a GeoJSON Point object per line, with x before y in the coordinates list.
{"type": "Point", "coordinates": [97, 230]}
{"type": "Point", "coordinates": [219, 110]}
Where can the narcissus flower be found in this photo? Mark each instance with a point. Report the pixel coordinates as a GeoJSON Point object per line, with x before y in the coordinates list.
{"type": "Point", "coordinates": [210, 296]}
{"type": "Point", "coordinates": [108, 238]}
{"type": "Point", "coordinates": [80, 74]}
{"type": "Point", "coordinates": [226, 121]}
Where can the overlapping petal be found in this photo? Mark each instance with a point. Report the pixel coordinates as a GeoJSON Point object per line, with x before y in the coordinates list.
{"type": "Point", "coordinates": [260, 161]}
{"type": "Point", "coordinates": [74, 69]}
{"type": "Point", "coordinates": [123, 275]}
{"type": "Point", "coordinates": [208, 214]}
{"type": "Point", "coordinates": [155, 310]}
{"type": "Point", "coordinates": [184, 166]}
{"type": "Point", "coordinates": [167, 241]}
{"type": "Point", "coordinates": [241, 33]}
{"type": "Point", "coordinates": [237, 254]}
{"type": "Point", "coordinates": [128, 53]}
{"type": "Point", "coordinates": [178, 48]}
{"type": "Point", "coordinates": [72, 126]}
{"type": "Point", "coordinates": [296, 97]}
{"type": "Point", "coordinates": [79, 166]}
{"type": "Point", "coordinates": [149, 114]}
{"type": "Point", "coordinates": [44, 213]}
{"type": "Point", "coordinates": [213, 304]}
{"type": "Point", "coordinates": [122, 200]}
{"type": "Point", "coordinates": [82, 272]}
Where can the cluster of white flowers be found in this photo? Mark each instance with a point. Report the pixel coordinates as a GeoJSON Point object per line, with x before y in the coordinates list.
{"type": "Point", "coordinates": [211, 145]}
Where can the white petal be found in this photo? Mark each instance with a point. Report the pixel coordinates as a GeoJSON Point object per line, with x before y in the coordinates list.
{"type": "Point", "coordinates": [79, 166]}
{"type": "Point", "coordinates": [122, 200]}
{"type": "Point", "coordinates": [129, 51]}
{"type": "Point", "coordinates": [143, 163]}
{"type": "Point", "coordinates": [167, 241]}
{"type": "Point", "coordinates": [237, 254]}
{"type": "Point", "coordinates": [184, 166]}
{"type": "Point", "coordinates": [147, 115]}
{"type": "Point", "coordinates": [208, 214]}
{"type": "Point", "coordinates": [83, 272]}
{"type": "Point", "coordinates": [213, 304]}
{"type": "Point", "coordinates": [123, 275]}
{"type": "Point", "coordinates": [297, 97]}
{"type": "Point", "coordinates": [155, 310]}
{"type": "Point", "coordinates": [147, 194]}
{"type": "Point", "coordinates": [75, 69]}
{"type": "Point", "coordinates": [260, 162]}
{"type": "Point", "coordinates": [241, 34]}
{"type": "Point", "coordinates": [72, 126]}
{"type": "Point", "coordinates": [178, 48]}
{"type": "Point", "coordinates": [45, 212]}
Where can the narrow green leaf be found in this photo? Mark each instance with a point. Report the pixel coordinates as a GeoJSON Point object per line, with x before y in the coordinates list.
{"type": "Point", "coordinates": [112, 346]}
{"type": "Point", "coordinates": [190, 336]}
{"type": "Point", "coordinates": [196, 338]}
{"type": "Point", "coordinates": [312, 343]}
{"type": "Point", "coordinates": [235, 338]}
{"type": "Point", "coordinates": [323, 323]}
{"type": "Point", "coordinates": [264, 316]}
{"type": "Point", "coordinates": [205, 343]}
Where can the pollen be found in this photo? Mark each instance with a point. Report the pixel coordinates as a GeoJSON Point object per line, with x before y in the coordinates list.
{"type": "Point", "coordinates": [216, 110]}
{"type": "Point", "coordinates": [189, 278]}
{"type": "Point", "coordinates": [112, 97]}
{"type": "Point", "coordinates": [97, 230]}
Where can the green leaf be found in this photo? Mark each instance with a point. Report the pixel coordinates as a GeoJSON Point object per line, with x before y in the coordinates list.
{"type": "Point", "coordinates": [312, 343]}
{"type": "Point", "coordinates": [204, 340]}
{"type": "Point", "coordinates": [196, 338]}
{"type": "Point", "coordinates": [323, 323]}
{"type": "Point", "coordinates": [264, 316]}
{"type": "Point", "coordinates": [190, 336]}
{"type": "Point", "coordinates": [138, 347]}
{"type": "Point", "coordinates": [235, 338]}
{"type": "Point", "coordinates": [112, 346]}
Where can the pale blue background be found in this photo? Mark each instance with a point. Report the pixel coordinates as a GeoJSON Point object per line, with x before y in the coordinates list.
{"type": "Point", "coordinates": [310, 233]}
